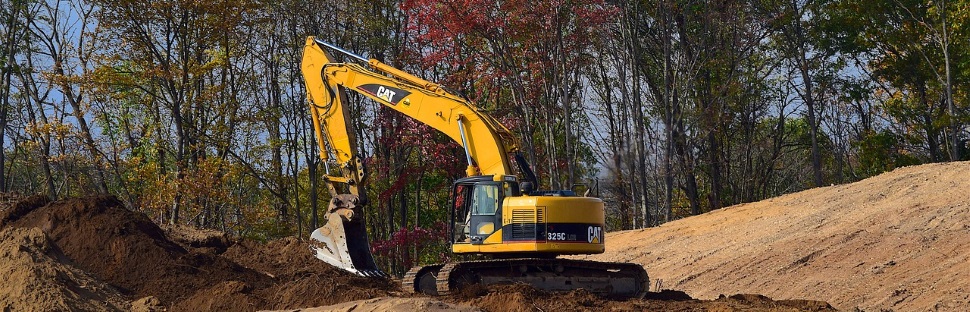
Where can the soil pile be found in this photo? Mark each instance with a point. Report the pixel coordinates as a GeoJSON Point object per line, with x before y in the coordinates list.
{"type": "Point", "coordinates": [124, 248]}
{"type": "Point", "coordinates": [897, 241]}
{"type": "Point", "coordinates": [37, 277]}
{"type": "Point", "coordinates": [198, 270]}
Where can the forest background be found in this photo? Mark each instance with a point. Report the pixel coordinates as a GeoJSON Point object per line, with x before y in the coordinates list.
{"type": "Point", "coordinates": [194, 112]}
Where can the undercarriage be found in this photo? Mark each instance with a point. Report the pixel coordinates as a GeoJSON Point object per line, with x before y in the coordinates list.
{"type": "Point", "coordinates": [614, 280]}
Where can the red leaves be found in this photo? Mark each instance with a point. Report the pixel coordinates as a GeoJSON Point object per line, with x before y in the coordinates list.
{"type": "Point", "coordinates": [423, 148]}
{"type": "Point", "coordinates": [402, 242]}
{"type": "Point", "coordinates": [490, 41]}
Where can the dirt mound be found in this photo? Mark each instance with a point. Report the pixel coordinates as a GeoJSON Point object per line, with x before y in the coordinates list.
{"type": "Point", "coordinates": [37, 277]}
{"type": "Point", "coordinates": [124, 248]}
{"type": "Point", "coordinates": [897, 241]}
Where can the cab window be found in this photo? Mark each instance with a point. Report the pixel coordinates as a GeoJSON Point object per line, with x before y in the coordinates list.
{"type": "Point", "coordinates": [485, 199]}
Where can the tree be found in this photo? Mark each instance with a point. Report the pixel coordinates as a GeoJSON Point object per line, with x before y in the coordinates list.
{"type": "Point", "coordinates": [889, 38]}
{"type": "Point", "coordinates": [176, 48]}
{"type": "Point", "coordinates": [793, 26]}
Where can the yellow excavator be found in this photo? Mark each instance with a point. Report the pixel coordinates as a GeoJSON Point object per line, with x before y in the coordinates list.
{"type": "Point", "coordinates": [519, 229]}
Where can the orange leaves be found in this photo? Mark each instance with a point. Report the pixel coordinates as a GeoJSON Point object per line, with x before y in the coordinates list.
{"type": "Point", "coordinates": [151, 189]}
{"type": "Point", "coordinates": [56, 130]}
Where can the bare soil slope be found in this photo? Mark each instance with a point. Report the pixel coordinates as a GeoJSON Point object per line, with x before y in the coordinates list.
{"type": "Point", "coordinates": [899, 241]}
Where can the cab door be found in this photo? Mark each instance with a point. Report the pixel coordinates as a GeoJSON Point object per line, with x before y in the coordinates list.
{"type": "Point", "coordinates": [485, 217]}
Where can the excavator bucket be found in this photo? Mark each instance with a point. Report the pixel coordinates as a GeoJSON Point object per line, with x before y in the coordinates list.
{"type": "Point", "coordinates": [342, 242]}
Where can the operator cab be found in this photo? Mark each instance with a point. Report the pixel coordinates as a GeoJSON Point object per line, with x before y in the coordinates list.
{"type": "Point", "coordinates": [477, 203]}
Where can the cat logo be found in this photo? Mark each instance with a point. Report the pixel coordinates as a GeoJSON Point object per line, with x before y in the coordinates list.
{"type": "Point", "coordinates": [594, 235]}
{"type": "Point", "coordinates": [385, 93]}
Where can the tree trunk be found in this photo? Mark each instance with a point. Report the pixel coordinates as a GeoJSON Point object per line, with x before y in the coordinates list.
{"type": "Point", "coordinates": [9, 48]}
{"type": "Point", "coordinates": [640, 152]}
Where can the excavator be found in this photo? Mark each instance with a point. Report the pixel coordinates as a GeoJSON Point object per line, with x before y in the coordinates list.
{"type": "Point", "coordinates": [517, 230]}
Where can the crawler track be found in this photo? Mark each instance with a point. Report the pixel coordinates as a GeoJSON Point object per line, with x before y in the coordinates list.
{"type": "Point", "coordinates": [616, 280]}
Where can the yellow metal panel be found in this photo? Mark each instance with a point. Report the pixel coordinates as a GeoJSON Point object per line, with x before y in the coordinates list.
{"type": "Point", "coordinates": [495, 238]}
{"type": "Point", "coordinates": [460, 248]}
{"type": "Point", "coordinates": [485, 227]}
{"type": "Point", "coordinates": [522, 201]}
{"type": "Point", "coordinates": [558, 209]}
{"type": "Point", "coordinates": [572, 209]}
{"type": "Point", "coordinates": [327, 111]}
